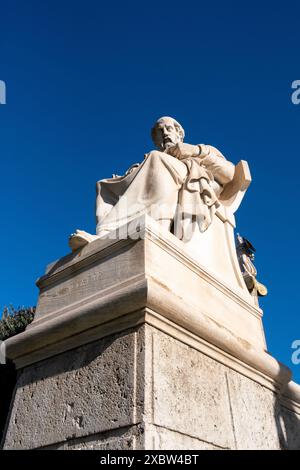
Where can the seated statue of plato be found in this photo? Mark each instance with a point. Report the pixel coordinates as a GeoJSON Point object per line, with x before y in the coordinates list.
{"type": "Point", "coordinates": [178, 185]}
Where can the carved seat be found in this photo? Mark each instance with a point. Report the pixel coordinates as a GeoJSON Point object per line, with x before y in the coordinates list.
{"type": "Point", "coordinates": [234, 191]}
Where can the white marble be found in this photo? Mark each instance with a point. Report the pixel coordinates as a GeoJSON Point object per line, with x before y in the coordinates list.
{"type": "Point", "coordinates": [179, 185]}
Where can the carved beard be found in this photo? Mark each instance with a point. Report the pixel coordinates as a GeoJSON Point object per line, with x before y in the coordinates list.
{"type": "Point", "coordinates": [166, 146]}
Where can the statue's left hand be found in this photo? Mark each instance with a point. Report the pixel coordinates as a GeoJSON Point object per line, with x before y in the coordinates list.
{"type": "Point", "coordinates": [182, 150]}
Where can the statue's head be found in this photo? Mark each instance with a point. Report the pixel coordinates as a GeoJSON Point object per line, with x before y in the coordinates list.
{"type": "Point", "coordinates": [166, 132]}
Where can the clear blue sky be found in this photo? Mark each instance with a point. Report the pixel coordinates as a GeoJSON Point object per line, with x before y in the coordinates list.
{"type": "Point", "coordinates": [86, 80]}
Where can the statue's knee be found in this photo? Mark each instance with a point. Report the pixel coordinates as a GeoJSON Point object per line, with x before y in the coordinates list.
{"type": "Point", "coordinates": [155, 154]}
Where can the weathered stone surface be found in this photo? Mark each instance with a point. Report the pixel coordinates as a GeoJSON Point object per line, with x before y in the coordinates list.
{"type": "Point", "coordinates": [288, 426]}
{"type": "Point", "coordinates": [190, 393]}
{"type": "Point", "coordinates": [254, 409]}
{"type": "Point", "coordinates": [165, 439]}
{"type": "Point", "coordinates": [130, 438]}
{"type": "Point", "coordinates": [145, 389]}
{"type": "Point", "coordinates": [73, 282]}
{"type": "Point", "coordinates": [81, 392]}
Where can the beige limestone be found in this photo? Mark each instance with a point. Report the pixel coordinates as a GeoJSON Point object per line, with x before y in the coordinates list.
{"type": "Point", "coordinates": [144, 389]}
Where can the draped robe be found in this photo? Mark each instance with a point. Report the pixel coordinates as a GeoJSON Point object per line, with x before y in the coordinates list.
{"type": "Point", "coordinates": [165, 187]}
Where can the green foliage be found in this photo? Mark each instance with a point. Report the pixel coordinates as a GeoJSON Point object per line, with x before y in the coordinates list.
{"type": "Point", "coordinates": [14, 321]}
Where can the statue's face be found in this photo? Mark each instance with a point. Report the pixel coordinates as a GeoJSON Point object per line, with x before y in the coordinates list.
{"type": "Point", "coordinates": [166, 134]}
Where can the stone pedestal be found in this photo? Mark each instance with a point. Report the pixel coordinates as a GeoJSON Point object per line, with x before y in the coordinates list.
{"type": "Point", "coordinates": [135, 345]}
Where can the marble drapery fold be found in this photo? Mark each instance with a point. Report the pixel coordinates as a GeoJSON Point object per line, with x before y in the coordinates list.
{"type": "Point", "coordinates": [167, 188]}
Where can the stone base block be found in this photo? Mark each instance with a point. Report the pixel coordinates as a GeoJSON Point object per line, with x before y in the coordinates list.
{"type": "Point", "coordinates": [136, 346]}
{"type": "Point", "coordinates": [144, 389]}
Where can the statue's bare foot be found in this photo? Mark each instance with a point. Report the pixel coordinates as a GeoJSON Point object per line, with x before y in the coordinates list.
{"type": "Point", "coordinates": [80, 238]}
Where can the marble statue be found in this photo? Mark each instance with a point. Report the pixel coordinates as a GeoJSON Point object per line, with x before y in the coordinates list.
{"type": "Point", "coordinates": [178, 184]}
{"type": "Point", "coordinates": [148, 313]}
